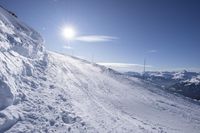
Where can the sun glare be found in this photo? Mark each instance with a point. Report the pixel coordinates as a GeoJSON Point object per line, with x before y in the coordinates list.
{"type": "Point", "coordinates": [68, 33]}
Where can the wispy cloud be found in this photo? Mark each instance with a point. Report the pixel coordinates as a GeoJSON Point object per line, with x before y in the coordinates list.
{"type": "Point", "coordinates": [124, 67]}
{"type": "Point", "coordinates": [96, 38]}
{"type": "Point", "coordinates": [124, 64]}
{"type": "Point", "coordinates": [67, 47]}
{"type": "Point", "coordinates": [152, 51]}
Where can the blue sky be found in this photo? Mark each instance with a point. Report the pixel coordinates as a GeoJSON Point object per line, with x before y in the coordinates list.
{"type": "Point", "coordinates": [165, 32]}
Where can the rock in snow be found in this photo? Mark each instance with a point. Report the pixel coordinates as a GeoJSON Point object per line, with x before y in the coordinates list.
{"type": "Point", "coordinates": [43, 91]}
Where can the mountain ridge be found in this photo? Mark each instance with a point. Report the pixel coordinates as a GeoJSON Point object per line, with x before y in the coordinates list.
{"type": "Point", "coordinates": [181, 82]}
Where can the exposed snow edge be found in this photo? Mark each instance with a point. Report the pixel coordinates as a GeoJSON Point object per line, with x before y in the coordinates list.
{"type": "Point", "coordinates": [17, 36]}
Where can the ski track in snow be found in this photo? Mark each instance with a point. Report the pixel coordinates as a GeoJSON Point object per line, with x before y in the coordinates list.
{"type": "Point", "coordinates": [43, 91]}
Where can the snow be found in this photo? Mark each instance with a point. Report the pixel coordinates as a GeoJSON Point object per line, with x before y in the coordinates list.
{"type": "Point", "coordinates": [51, 92]}
{"type": "Point", "coordinates": [194, 80]}
{"type": "Point", "coordinates": [14, 35]}
{"type": "Point", "coordinates": [178, 75]}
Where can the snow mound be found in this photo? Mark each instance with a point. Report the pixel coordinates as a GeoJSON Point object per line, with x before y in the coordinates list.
{"type": "Point", "coordinates": [16, 36]}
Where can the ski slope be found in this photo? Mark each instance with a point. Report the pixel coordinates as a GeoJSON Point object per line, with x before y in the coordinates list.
{"type": "Point", "coordinates": [44, 91]}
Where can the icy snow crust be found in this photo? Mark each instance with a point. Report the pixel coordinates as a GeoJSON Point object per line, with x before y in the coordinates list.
{"type": "Point", "coordinates": [54, 93]}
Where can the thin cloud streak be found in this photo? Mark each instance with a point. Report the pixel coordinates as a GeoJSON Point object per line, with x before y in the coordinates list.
{"type": "Point", "coordinates": [67, 47]}
{"type": "Point", "coordinates": [152, 51]}
{"type": "Point", "coordinates": [124, 67]}
{"type": "Point", "coordinates": [96, 38]}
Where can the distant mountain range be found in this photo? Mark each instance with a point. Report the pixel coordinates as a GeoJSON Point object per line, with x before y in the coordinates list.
{"type": "Point", "coordinates": [182, 82]}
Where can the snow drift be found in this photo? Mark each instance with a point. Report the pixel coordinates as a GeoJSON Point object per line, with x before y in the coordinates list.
{"type": "Point", "coordinates": [43, 91]}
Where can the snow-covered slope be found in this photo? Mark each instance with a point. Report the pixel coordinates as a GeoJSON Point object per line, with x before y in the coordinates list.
{"type": "Point", "coordinates": [50, 92]}
{"type": "Point", "coordinates": [16, 36]}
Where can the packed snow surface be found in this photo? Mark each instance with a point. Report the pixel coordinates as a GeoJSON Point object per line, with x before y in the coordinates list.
{"type": "Point", "coordinates": [43, 91]}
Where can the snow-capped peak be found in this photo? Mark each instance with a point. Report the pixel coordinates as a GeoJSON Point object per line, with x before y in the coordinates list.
{"type": "Point", "coordinates": [16, 36]}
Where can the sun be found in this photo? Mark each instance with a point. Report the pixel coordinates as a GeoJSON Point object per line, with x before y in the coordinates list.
{"type": "Point", "coordinates": [68, 33]}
